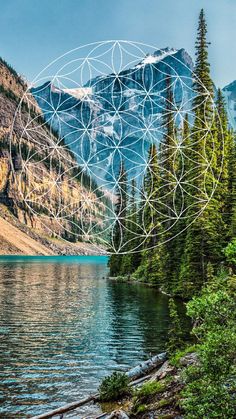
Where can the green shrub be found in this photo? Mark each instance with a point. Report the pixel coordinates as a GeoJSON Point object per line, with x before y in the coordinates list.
{"type": "Point", "coordinates": [207, 399]}
{"type": "Point", "coordinates": [114, 387]}
{"type": "Point", "coordinates": [175, 358]}
{"type": "Point", "coordinates": [209, 390]}
{"type": "Point", "coordinates": [230, 253]}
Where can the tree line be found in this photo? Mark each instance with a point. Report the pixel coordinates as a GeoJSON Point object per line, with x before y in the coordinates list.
{"type": "Point", "coordinates": [184, 214]}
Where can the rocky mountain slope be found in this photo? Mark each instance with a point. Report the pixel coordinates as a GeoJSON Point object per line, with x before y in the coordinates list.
{"type": "Point", "coordinates": [229, 92]}
{"type": "Point", "coordinates": [14, 241]}
{"type": "Point", "coordinates": [118, 114]}
{"type": "Point", "coordinates": [39, 179]}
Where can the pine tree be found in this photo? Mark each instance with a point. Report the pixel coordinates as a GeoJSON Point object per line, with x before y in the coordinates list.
{"type": "Point", "coordinates": [118, 233]}
{"type": "Point", "coordinates": [231, 205]}
{"type": "Point", "coordinates": [182, 200]}
{"type": "Point", "coordinates": [151, 188]}
{"type": "Point", "coordinates": [175, 332]}
{"type": "Point", "coordinates": [203, 237]}
{"type": "Point", "coordinates": [131, 259]}
{"type": "Point", "coordinates": [149, 268]}
{"type": "Point", "coordinates": [226, 166]}
{"type": "Point", "coordinates": [203, 84]}
{"type": "Point", "coordinates": [168, 189]}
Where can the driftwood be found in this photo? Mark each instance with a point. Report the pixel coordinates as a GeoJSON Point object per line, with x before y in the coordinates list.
{"type": "Point", "coordinates": [161, 373]}
{"type": "Point", "coordinates": [147, 366]}
{"type": "Point", "coordinates": [135, 375]}
{"type": "Point", "coordinates": [68, 407]}
{"type": "Point", "coordinates": [140, 380]}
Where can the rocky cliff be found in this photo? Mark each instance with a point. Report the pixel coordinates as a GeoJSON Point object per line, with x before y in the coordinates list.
{"type": "Point", "coordinates": [229, 92]}
{"type": "Point", "coordinates": [40, 182]}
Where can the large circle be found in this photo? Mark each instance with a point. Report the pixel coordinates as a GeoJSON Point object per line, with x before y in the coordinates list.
{"type": "Point", "coordinates": [108, 102]}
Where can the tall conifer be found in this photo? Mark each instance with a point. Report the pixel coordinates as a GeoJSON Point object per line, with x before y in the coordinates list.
{"type": "Point", "coordinates": [168, 166]}
{"type": "Point", "coordinates": [118, 233]}
{"type": "Point", "coordinates": [150, 262]}
{"type": "Point", "coordinates": [203, 241]}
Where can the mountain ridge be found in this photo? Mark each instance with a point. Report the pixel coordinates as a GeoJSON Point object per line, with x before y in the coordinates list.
{"type": "Point", "coordinates": [115, 110]}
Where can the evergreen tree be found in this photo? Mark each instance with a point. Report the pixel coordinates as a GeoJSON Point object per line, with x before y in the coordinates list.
{"type": "Point", "coordinates": [168, 189]}
{"type": "Point", "coordinates": [193, 231]}
{"type": "Point", "coordinates": [226, 169]}
{"type": "Point", "coordinates": [203, 237]}
{"type": "Point", "coordinates": [175, 332]}
{"type": "Point", "coordinates": [231, 205]}
{"type": "Point", "coordinates": [131, 259]}
{"type": "Point", "coordinates": [118, 233]}
{"type": "Point", "coordinates": [150, 263]}
{"type": "Point", "coordinates": [203, 85]}
{"type": "Point", "coordinates": [182, 201]}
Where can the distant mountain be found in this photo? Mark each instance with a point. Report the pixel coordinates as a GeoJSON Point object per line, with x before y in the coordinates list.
{"type": "Point", "coordinates": [113, 114]}
{"type": "Point", "coordinates": [230, 98]}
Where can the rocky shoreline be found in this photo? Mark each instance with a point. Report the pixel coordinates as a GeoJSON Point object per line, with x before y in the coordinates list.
{"type": "Point", "coordinates": [159, 396]}
{"type": "Point", "coordinates": [155, 388]}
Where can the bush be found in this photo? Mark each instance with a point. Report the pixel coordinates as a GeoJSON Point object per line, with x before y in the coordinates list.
{"type": "Point", "coordinates": [114, 387]}
{"type": "Point", "coordinates": [230, 253]}
{"type": "Point", "coordinates": [176, 357]}
{"type": "Point", "coordinates": [175, 333]}
{"type": "Point", "coordinates": [209, 390]}
{"type": "Point", "coordinates": [207, 399]}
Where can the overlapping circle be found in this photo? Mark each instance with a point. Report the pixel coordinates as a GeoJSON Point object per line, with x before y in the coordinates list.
{"type": "Point", "coordinates": [104, 105]}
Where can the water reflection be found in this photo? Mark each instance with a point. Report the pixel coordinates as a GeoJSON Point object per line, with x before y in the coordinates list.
{"type": "Point", "coordinates": [63, 327]}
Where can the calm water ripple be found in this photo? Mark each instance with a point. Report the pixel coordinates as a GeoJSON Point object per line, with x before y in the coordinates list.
{"type": "Point", "coordinates": [63, 327]}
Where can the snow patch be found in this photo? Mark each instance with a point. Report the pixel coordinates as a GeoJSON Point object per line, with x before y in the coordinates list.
{"type": "Point", "coordinates": [156, 57]}
{"type": "Point", "coordinates": [79, 93]}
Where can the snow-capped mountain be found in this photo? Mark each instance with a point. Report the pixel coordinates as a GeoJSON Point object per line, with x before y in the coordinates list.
{"type": "Point", "coordinates": [116, 116]}
{"type": "Point", "coordinates": [229, 92]}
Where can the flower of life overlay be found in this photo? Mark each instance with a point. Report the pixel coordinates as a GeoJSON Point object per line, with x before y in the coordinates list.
{"type": "Point", "coordinates": [111, 106]}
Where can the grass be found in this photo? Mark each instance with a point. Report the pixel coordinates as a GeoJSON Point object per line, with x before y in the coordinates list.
{"type": "Point", "coordinates": [174, 360]}
{"type": "Point", "coordinates": [150, 388]}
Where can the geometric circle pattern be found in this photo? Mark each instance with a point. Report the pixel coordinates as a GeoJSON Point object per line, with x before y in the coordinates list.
{"type": "Point", "coordinates": [108, 103]}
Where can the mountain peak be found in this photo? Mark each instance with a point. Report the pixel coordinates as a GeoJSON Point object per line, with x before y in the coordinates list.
{"type": "Point", "coordinates": [230, 87]}
{"type": "Point", "coordinates": [229, 92]}
{"type": "Point", "coordinates": [162, 53]}
{"type": "Point", "coordinates": [156, 56]}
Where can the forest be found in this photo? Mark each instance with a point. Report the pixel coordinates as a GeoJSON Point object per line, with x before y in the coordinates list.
{"type": "Point", "coordinates": [196, 263]}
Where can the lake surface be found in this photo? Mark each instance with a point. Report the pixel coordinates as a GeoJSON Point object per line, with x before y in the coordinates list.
{"type": "Point", "coordinates": [64, 326]}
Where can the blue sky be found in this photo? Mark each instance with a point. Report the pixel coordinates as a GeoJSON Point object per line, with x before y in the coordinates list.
{"type": "Point", "coordinates": [34, 32]}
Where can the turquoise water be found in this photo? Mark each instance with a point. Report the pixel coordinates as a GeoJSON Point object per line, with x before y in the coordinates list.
{"type": "Point", "coordinates": [81, 260]}
{"type": "Point", "coordinates": [64, 326]}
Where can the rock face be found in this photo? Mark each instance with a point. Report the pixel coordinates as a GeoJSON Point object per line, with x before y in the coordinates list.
{"type": "Point", "coordinates": [229, 92]}
{"type": "Point", "coordinates": [38, 178]}
{"type": "Point", "coordinates": [121, 111]}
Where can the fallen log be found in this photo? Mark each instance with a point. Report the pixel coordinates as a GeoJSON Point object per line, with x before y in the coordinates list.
{"type": "Point", "coordinates": [133, 374]}
{"type": "Point", "coordinates": [146, 366]}
{"type": "Point", "coordinates": [68, 407]}
{"type": "Point", "coordinates": [161, 373]}
{"type": "Point", "coordinates": [140, 380]}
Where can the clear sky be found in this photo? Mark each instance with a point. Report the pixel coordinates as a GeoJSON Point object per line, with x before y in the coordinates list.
{"type": "Point", "coordinates": [34, 32]}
